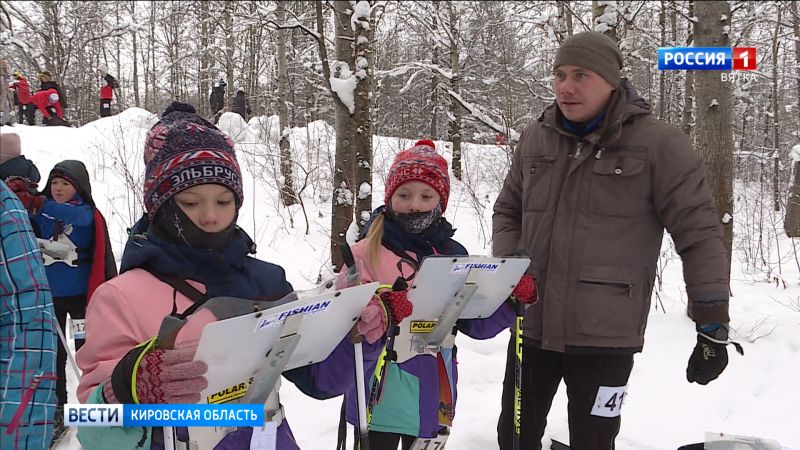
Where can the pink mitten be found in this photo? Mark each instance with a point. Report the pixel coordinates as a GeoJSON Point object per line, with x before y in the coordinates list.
{"type": "Point", "coordinates": [170, 376]}
{"type": "Point", "coordinates": [373, 321]}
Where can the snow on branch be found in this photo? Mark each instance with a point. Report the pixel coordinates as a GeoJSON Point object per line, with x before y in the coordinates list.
{"type": "Point", "coordinates": [410, 66]}
{"type": "Point", "coordinates": [361, 13]}
{"type": "Point", "coordinates": [343, 84]}
{"type": "Point", "coordinates": [483, 117]}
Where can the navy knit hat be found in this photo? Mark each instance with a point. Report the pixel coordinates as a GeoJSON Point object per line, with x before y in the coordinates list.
{"type": "Point", "coordinates": [184, 150]}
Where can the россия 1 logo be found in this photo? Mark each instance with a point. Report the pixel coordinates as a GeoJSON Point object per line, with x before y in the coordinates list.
{"type": "Point", "coordinates": [707, 58]}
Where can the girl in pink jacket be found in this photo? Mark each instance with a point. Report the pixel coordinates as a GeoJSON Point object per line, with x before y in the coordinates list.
{"type": "Point", "coordinates": [418, 395]}
{"type": "Point", "coordinates": [189, 237]}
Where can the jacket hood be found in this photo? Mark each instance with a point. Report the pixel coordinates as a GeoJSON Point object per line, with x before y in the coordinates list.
{"type": "Point", "coordinates": [74, 171]}
{"type": "Point", "coordinates": [206, 266]}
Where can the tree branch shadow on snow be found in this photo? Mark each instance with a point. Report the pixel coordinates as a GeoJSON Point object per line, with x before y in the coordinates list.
{"type": "Point", "coordinates": [792, 303]}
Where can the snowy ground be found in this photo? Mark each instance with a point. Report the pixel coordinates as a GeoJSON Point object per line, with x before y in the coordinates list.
{"type": "Point", "coordinates": [758, 395]}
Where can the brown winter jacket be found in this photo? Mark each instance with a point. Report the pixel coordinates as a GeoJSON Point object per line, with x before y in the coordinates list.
{"type": "Point", "coordinates": [591, 213]}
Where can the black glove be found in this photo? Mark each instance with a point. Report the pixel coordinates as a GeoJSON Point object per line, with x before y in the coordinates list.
{"type": "Point", "coordinates": [710, 355]}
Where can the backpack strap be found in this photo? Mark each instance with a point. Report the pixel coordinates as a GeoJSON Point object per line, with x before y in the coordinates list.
{"type": "Point", "coordinates": [172, 323]}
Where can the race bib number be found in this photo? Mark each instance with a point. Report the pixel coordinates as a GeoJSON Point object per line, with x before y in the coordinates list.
{"type": "Point", "coordinates": [435, 443]}
{"type": "Point", "coordinates": [78, 329]}
{"type": "Point", "coordinates": [608, 402]}
{"type": "Point", "coordinates": [265, 438]}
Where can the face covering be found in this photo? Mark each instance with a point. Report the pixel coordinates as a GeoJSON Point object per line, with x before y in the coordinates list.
{"type": "Point", "coordinates": [416, 223]}
{"type": "Point", "coordinates": [172, 224]}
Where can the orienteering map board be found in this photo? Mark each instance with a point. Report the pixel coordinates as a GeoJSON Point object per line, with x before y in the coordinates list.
{"type": "Point", "coordinates": [235, 348]}
{"type": "Point", "coordinates": [441, 277]}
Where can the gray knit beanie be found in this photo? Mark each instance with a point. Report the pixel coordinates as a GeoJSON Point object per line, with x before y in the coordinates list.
{"type": "Point", "coordinates": [594, 51]}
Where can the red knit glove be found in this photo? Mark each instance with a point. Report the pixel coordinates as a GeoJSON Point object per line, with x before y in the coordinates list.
{"type": "Point", "coordinates": [525, 291]}
{"type": "Point", "coordinates": [26, 192]}
{"type": "Point", "coordinates": [397, 305]}
{"type": "Point", "coordinates": [170, 376]}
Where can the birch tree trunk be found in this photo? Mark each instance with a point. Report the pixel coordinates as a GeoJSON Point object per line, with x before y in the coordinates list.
{"type": "Point", "coordinates": [688, 82]}
{"type": "Point", "coordinates": [230, 48]}
{"type": "Point", "coordinates": [791, 223]}
{"type": "Point", "coordinates": [714, 135]}
{"type": "Point", "coordinates": [364, 60]}
{"type": "Point", "coordinates": [134, 34]}
{"type": "Point", "coordinates": [599, 10]}
{"type": "Point", "coordinates": [454, 132]}
{"type": "Point", "coordinates": [434, 78]}
{"type": "Point", "coordinates": [287, 188]}
{"type": "Point", "coordinates": [205, 59]}
{"type": "Point", "coordinates": [776, 151]}
{"type": "Point", "coordinates": [342, 199]}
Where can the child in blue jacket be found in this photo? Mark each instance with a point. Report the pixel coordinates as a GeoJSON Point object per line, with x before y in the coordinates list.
{"type": "Point", "coordinates": [77, 254]}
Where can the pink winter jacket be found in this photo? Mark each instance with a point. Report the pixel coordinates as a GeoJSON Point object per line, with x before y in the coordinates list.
{"type": "Point", "coordinates": [124, 312]}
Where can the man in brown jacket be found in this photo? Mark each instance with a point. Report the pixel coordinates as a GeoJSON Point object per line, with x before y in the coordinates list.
{"type": "Point", "coordinates": [592, 186]}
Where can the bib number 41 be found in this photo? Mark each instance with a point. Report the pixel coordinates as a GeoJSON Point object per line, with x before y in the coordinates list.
{"type": "Point", "coordinates": [609, 400]}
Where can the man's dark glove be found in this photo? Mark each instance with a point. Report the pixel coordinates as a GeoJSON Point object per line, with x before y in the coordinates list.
{"type": "Point", "coordinates": [710, 355]}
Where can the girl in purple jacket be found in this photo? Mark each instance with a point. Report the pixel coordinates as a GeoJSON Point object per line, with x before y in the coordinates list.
{"type": "Point", "coordinates": [418, 396]}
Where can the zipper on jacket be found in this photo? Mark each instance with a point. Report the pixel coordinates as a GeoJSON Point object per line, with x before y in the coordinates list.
{"type": "Point", "coordinates": [578, 149]}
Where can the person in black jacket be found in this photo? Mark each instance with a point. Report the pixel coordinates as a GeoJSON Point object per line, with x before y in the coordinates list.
{"type": "Point", "coordinates": [241, 105]}
{"type": "Point", "coordinates": [217, 99]}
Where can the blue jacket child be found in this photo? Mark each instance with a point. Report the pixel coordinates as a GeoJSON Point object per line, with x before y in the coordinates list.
{"type": "Point", "coordinates": [68, 228]}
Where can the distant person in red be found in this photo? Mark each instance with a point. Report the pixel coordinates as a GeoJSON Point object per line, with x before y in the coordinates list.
{"type": "Point", "coordinates": [107, 86]}
{"type": "Point", "coordinates": [23, 90]}
{"type": "Point", "coordinates": [44, 101]}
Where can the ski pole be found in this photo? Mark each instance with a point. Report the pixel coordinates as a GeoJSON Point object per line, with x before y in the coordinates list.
{"type": "Point", "coordinates": [69, 353]}
{"type": "Point", "coordinates": [520, 314]}
{"type": "Point", "coordinates": [363, 442]}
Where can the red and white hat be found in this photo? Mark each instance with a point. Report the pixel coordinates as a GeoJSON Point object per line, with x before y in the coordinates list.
{"type": "Point", "coordinates": [419, 163]}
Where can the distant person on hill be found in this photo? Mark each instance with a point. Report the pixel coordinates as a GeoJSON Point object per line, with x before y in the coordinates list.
{"type": "Point", "coordinates": [23, 91]}
{"type": "Point", "coordinates": [241, 105]}
{"type": "Point", "coordinates": [48, 104]}
{"type": "Point", "coordinates": [46, 81]}
{"type": "Point", "coordinates": [107, 86]}
{"type": "Point", "coordinates": [217, 99]}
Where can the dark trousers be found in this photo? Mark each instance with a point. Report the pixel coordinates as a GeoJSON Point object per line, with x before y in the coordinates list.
{"type": "Point", "coordinates": [387, 441]}
{"type": "Point", "coordinates": [76, 307]}
{"type": "Point", "coordinates": [28, 111]}
{"type": "Point", "coordinates": [105, 107]}
{"type": "Point", "coordinates": [583, 374]}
